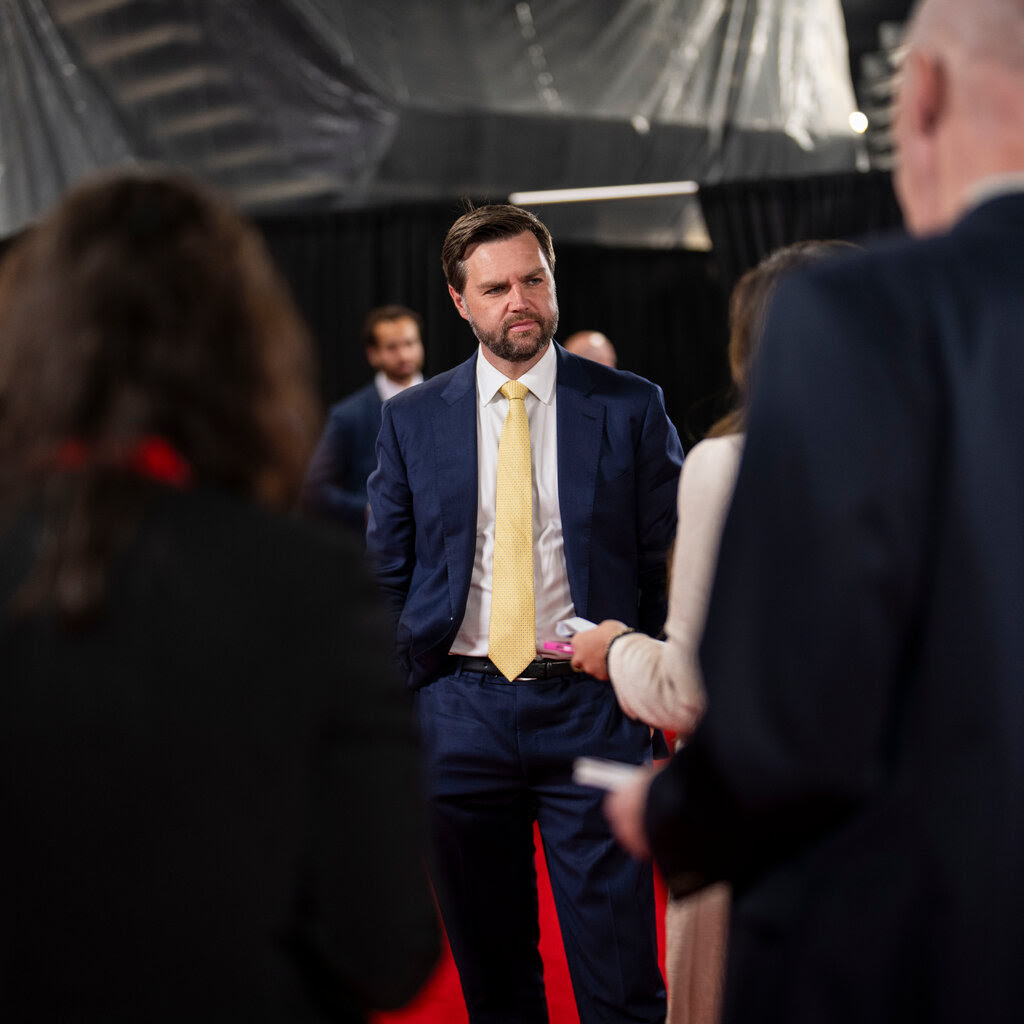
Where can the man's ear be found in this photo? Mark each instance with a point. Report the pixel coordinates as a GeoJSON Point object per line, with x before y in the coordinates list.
{"type": "Point", "coordinates": [922, 116]}
{"type": "Point", "coordinates": [928, 98]}
{"type": "Point", "coordinates": [460, 303]}
{"type": "Point", "coordinates": [373, 356]}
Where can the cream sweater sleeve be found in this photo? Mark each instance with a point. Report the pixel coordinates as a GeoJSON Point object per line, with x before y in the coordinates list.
{"type": "Point", "coordinates": [657, 681]}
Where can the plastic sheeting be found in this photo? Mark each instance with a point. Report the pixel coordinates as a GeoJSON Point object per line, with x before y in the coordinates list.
{"type": "Point", "coordinates": [54, 122]}
{"type": "Point", "coordinates": [496, 96]}
{"type": "Point", "coordinates": [764, 64]}
{"type": "Point", "coordinates": [347, 102]}
{"type": "Point", "coordinates": [238, 93]}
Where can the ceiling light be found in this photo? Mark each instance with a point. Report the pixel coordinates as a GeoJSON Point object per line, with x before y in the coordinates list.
{"type": "Point", "coordinates": [579, 195]}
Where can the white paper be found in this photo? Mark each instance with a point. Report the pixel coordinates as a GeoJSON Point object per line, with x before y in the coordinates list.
{"type": "Point", "coordinates": [569, 627]}
{"type": "Point", "coordinates": [602, 773]}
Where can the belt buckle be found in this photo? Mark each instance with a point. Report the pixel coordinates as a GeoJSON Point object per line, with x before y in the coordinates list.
{"type": "Point", "coordinates": [540, 666]}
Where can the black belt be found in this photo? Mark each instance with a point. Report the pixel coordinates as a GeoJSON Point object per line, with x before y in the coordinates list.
{"type": "Point", "coordinates": [542, 668]}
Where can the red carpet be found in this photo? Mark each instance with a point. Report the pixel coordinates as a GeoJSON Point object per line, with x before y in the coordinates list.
{"type": "Point", "coordinates": [440, 1002]}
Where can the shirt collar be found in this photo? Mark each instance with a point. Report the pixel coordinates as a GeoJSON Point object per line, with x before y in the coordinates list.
{"type": "Point", "coordinates": [387, 388]}
{"type": "Point", "coordinates": [994, 186]}
{"type": "Point", "coordinates": [540, 378]}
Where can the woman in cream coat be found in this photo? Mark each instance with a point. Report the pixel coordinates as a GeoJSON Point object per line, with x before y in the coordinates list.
{"type": "Point", "coordinates": [659, 681]}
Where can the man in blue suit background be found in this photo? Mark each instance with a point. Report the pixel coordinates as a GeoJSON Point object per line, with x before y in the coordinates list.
{"type": "Point", "coordinates": [605, 463]}
{"type": "Point", "coordinates": [335, 484]}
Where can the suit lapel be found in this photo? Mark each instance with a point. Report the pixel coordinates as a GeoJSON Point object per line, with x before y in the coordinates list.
{"type": "Point", "coordinates": [580, 430]}
{"type": "Point", "coordinates": [455, 460]}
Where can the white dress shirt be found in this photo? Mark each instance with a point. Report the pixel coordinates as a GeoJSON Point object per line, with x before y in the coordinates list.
{"type": "Point", "coordinates": [993, 186]}
{"type": "Point", "coordinates": [387, 388]}
{"type": "Point", "coordinates": [550, 579]}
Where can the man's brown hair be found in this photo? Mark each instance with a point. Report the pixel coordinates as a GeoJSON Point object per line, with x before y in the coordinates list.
{"type": "Point", "coordinates": [385, 314]}
{"type": "Point", "coordinates": [489, 224]}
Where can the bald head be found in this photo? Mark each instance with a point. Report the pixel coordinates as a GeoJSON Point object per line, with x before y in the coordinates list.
{"type": "Point", "coordinates": [960, 107]}
{"type": "Point", "coordinates": [592, 345]}
{"type": "Point", "coordinates": [989, 30]}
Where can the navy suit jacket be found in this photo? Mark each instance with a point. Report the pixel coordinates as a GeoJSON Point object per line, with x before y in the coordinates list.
{"type": "Point", "coordinates": [619, 458]}
{"type": "Point", "coordinates": [335, 485]}
{"type": "Point", "coordinates": [859, 774]}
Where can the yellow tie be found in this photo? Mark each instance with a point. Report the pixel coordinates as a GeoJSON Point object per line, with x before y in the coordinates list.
{"type": "Point", "coordinates": [513, 642]}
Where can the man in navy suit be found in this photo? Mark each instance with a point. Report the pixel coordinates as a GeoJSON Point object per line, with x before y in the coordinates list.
{"type": "Point", "coordinates": [860, 772]}
{"type": "Point", "coordinates": [335, 484]}
{"type": "Point", "coordinates": [605, 464]}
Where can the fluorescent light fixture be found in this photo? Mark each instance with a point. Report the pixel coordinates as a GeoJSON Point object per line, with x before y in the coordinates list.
{"type": "Point", "coordinates": [581, 195]}
{"type": "Point", "coordinates": [291, 188]}
{"type": "Point", "coordinates": [144, 89]}
{"type": "Point", "coordinates": [205, 120]}
{"type": "Point", "coordinates": [70, 13]}
{"type": "Point", "coordinates": [122, 47]}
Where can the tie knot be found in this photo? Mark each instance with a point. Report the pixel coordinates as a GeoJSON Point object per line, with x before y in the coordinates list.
{"type": "Point", "coordinates": [514, 389]}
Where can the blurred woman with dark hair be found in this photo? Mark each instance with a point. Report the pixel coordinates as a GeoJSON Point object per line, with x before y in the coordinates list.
{"type": "Point", "coordinates": [659, 681]}
{"type": "Point", "coordinates": [195, 684]}
{"type": "Point", "coordinates": [143, 320]}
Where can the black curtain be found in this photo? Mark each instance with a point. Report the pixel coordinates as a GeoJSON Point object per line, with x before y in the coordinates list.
{"type": "Point", "coordinates": [749, 219]}
{"type": "Point", "coordinates": [340, 264]}
{"type": "Point", "coordinates": [663, 309]}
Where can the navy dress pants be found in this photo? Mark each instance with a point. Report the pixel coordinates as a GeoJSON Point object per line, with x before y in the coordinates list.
{"type": "Point", "coordinates": [499, 757]}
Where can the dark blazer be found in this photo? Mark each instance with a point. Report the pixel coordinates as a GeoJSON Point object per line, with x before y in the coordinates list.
{"type": "Point", "coordinates": [618, 463]}
{"type": "Point", "coordinates": [860, 770]}
{"type": "Point", "coordinates": [335, 485]}
{"type": "Point", "coordinates": [210, 799]}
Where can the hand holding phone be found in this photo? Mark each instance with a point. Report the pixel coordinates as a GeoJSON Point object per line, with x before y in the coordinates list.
{"type": "Point", "coordinates": [558, 647]}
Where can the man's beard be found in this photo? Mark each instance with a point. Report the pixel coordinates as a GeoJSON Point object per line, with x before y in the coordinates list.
{"type": "Point", "coordinates": [517, 348]}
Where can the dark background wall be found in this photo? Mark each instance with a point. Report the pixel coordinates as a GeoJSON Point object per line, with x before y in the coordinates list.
{"type": "Point", "coordinates": [664, 309]}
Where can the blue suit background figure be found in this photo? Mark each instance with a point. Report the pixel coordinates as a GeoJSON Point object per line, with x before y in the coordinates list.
{"type": "Point", "coordinates": [344, 458]}
{"type": "Point", "coordinates": [500, 753]}
{"type": "Point", "coordinates": [335, 485]}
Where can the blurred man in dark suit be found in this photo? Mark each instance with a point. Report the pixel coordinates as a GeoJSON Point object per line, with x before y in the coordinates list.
{"type": "Point", "coordinates": [335, 485]}
{"type": "Point", "coordinates": [860, 773]}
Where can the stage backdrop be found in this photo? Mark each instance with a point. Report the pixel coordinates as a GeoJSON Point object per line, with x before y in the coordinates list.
{"type": "Point", "coordinates": [664, 309]}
